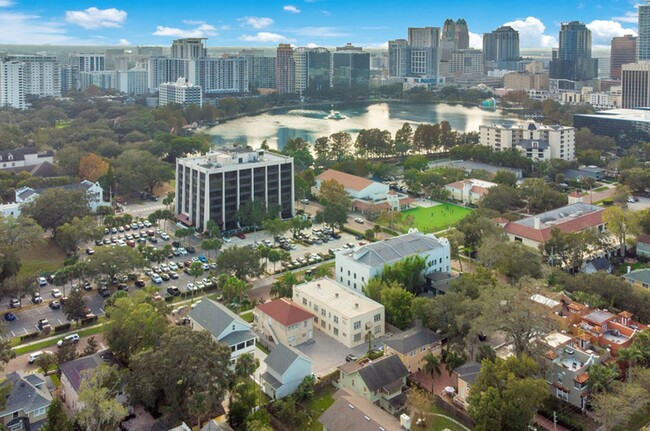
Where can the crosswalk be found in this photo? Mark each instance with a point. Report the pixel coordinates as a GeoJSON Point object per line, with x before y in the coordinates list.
{"type": "Point", "coordinates": [149, 209]}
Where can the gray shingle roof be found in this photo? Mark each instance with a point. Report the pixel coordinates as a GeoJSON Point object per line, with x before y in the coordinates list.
{"type": "Point", "coordinates": [214, 317]}
{"type": "Point", "coordinates": [74, 370]}
{"type": "Point", "coordinates": [353, 412]}
{"type": "Point", "coordinates": [383, 372]}
{"type": "Point", "coordinates": [394, 249]}
{"type": "Point", "coordinates": [26, 394]}
{"type": "Point", "coordinates": [282, 357]}
{"type": "Point", "coordinates": [412, 339]}
{"type": "Point", "coordinates": [468, 371]}
{"type": "Point", "coordinates": [640, 275]}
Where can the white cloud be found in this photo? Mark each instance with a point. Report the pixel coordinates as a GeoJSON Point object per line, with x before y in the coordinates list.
{"type": "Point", "coordinates": [19, 27]}
{"type": "Point", "coordinates": [291, 8]}
{"type": "Point", "coordinates": [6, 3]}
{"type": "Point", "coordinates": [265, 37]}
{"type": "Point", "coordinates": [224, 27]}
{"type": "Point", "coordinates": [475, 40]}
{"type": "Point", "coordinates": [314, 32]}
{"type": "Point", "coordinates": [312, 45]}
{"type": "Point", "coordinates": [602, 31]}
{"type": "Point", "coordinates": [123, 42]}
{"type": "Point", "coordinates": [531, 33]}
{"type": "Point", "coordinates": [96, 18]}
{"type": "Point", "coordinates": [631, 17]}
{"type": "Point", "coordinates": [325, 12]}
{"type": "Point", "coordinates": [256, 22]}
{"type": "Point", "coordinates": [193, 22]}
{"type": "Point", "coordinates": [203, 30]}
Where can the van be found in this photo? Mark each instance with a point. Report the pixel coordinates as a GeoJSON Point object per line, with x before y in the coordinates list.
{"type": "Point", "coordinates": [35, 355]}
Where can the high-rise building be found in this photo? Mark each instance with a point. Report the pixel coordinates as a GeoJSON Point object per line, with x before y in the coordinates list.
{"type": "Point", "coordinates": [69, 78]}
{"type": "Point", "coordinates": [501, 47]}
{"type": "Point", "coordinates": [104, 79]}
{"type": "Point", "coordinates": [227, 74]}
{"type": "Point", "coordinates": [284, 69]}
{"type": "Point", "coordinates": [455, 35]}
{"type": "Point", "coordinates": [572, 61]}
{"type": "Point", "coordinates": [88, 62]}
{"type": "Point", "coordinates": [42, 75]}
{"type": "Point", "coordinates": [534, 141]}
{"type": "Point", "coordinates": [643, 41]}
{"type": "Point", "coordinates": [300, 69]}
{"type": "Point", "coordinates": [398, 58]}
{"type": "Point", "coordinates": [164, 69]}
{"type": "Point", "coordinates": [623, 51]}
{"type": "Point", "coordinates": [189, 48]}
{"type": "Point", "coordinates": [111, 55]}
{"type": "Point", "coordinates": [214, 186]}
{"type": "Point", "coordinates": [319, 70]}
{"type": "Point", "coordinates": [351, 67]}
{"type": "Point", "coordinates": [424, 51]}
{"type": "Point", "coordinates": [635, 85]}
{"type": "Point", "coordinates": [180, 92]}
{"type": "Point", "coordinates": [12, 84]}
{"type": "Point", "coordinates": [261, 68]}
{"type": "Point", "coordinates": [467, 63]}
{"type": "Point", "coordinates": [133, 81]}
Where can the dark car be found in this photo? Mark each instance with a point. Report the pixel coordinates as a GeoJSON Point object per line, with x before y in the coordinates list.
{"type": "Point", "coordinates": [153, 240]}
{"type": "Point", "coordinates": [240, 235]}
{"type": "Point", "coordinates": [9, 316]}
{"type": "Point", "coordinates": [173, 291]}
{"type": "Point", "coordinates": [190, 249]}
{"type": "Point", "coordinates": [176, 244]}
{"type": "Point", "coordinates": [122, 286]}
{"type": "Point", "coordinates": [139, 282]}
{"type": "Point", "coordinates": [104, 292]}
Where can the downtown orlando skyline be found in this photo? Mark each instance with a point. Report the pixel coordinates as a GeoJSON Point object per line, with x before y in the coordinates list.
{"type": "Point", "coordinates": [369, 23]}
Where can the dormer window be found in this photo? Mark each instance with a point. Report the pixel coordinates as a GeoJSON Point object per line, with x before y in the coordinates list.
{"type": "Point", "coordinates": [10, 157]}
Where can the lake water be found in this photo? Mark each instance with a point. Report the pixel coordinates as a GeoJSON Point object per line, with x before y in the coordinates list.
{"type": "Point", "coordinates": [278, 126]}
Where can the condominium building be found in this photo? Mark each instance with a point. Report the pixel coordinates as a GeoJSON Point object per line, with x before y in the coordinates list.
{"type": "Point", "coordinates": [133, 81]}
{"type": "Point", "coordinates": [467, 63]}
{"type": "Point", "coordinates": [219, 75]}
{"type": "Point", "coordinates": [41, 74]}
{"type": "Point", "coordinates": [214, 186]}
{"type": "Point", "coordinates": [300, 69]}
{"type": "Point", "coordinates": [623, 51]}
{"type": "Point", "coordinates": [424, 55]}
{"type": "Point", "coordinates": [164, 69]}
{"type": "Point", "coordinates": [501, 47]}
{"type": "Point", "coordinates": [341, 313]}
{"type": "Point", "coordinates": [643, 41]}
{"type": "Point", "coordinates": [261, 68]}
{"type": "Point", "coordinates": [284, 69]}
{"type": "Point", "coordinates": [635, 85]}
{"type": "Point", "coordinates": [539, 142]}
{"type": "Point", "coordinates": [180, 92]}
{"type": "Point", "coordinates": [355, 267]}
{"type": "Point", "coordinates": [573, 61]}
{"type": "Point", "coordinates": [12, 84]}
{"type": "Point", "coordinates": [69, 78]}
{"type": "Point", "coordinates": [88, 62]}
{"type": "Point", "coordinates": [350, 67]}
{"type": "Point", "coordinates": [398, 58]}
{"type": "Point", "coordinates": [104, 79]}
{"type": "Point", "coordinates": [192, 47]}
{"type": "Point", "coordinates": [525, 81]}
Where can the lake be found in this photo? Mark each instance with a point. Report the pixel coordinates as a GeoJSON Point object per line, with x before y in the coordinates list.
{"type": "Point", "coordinates": [280, 125]}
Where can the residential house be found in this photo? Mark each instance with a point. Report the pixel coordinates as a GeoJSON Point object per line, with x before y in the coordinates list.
{"type": "Point", "coordinates": [73, 373]}
{"type": "Point", "coordinates": [94, 193]}
{"type": "Point", "coordinates": [568, 363]}
{"type": "Point", "coordinates": [353, 412]}
{"type": "Point", "coordinates": [535, 230]}
{"type": "Point", "coordinates": [438, 283]}
{"type": "Point", "coordinates": [27, 403]}
{"type": "Point", "coordinates": [355, 267]}
{"type": "Point", "coordinates": [382, 382]}
{"type": "Point", "coordinates": [613, 331]}
{"type": "Point", "coordinates": [225, 327]}
{"type": "Point", "coordinates": [284, 322]}
{"type": "Point", "coordinates": [24, 159]}
{"type": "Point", "coordinates": [286, 368]}
{"type": "Point", "coordinates": [412, 346]}
{"type": "Point", "coordinates": [594, 172]}
{"type": "Point", "coordinates": [643, 245]}
{"type": "Point", "coordinates": [367, 196]}
{"type": "Point", "coordinates": [213, 425]}
{"type": "Point", "coordinates": [464, 377]}
{"type": "Point", "coordinates": [601, 263]}
{"type": "Point", "coordinates": [638, 277]}
{"type": "Point", "coordinates": [469, 191]}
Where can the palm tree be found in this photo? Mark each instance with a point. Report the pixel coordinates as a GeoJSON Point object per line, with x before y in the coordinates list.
{"type": "Point", "coordinates": [631, 357]}
{"type": "Point", "coordinates": [323, 271]}
{"type": "Point", "coordinates": [431, 366]}
{"type": "Point", "coordinates": [283, 287]}
{"type": "Point", "coordinates": [453, 360]}
{"type": "Point", "coordinates": [246, 365]}
{"type": "Point", "coordinates": [601, 377]}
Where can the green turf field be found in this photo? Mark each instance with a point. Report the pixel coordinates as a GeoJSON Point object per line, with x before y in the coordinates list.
{"type": "Point", "coordinates": [436, 218]}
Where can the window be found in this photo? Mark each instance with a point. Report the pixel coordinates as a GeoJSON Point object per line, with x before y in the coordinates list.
{"type": "Point", "coordinates": [357, 338]}
{"type": "Point", "coordinates": [341, 269]}
{"type": "Point", "coordinates": [336, 320]}
{"type": "Point", "coordinates": [250, 343]}
{"type": "Point", "coordinates": [577, 385]}
{"type": "Point", "coordinates": [304, 301]}
{"type": "Point", "coordinates": [39, 412]}
{"type": "Point", "coordinates": [322, 323]}
{"type": "Point", "coordinates": [357, 324]}
{"type": "Point", "coordinates": [355, 275]}
{"type": "Point", "coordinates": [336, 332]}
{"type": "Point", "coordinates": [377, 329]}
{"type": "Point", "coordinates": [562, 394]}
{"type": "Point", "coordinates": [348, 283]}
{"type": "Point", "coordinates": [316, 308]}
{"type": "Point", "coordinates": [377, 317]}
{"type": "Point", "coordinates": [560, 376]}
{"type": "Point", "coordinates": [323, 312]}
{"type": "Point", "coordinates": [355, 286]}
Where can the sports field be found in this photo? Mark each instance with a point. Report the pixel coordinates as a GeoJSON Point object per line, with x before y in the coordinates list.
{"type": "Point", "coordinates": [438, 217]}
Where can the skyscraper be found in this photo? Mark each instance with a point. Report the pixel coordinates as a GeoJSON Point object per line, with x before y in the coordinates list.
{"type": "Point", "coordinates": [424, 51]}
{"type": "Point", "coordinates": [189, 48]}
{"type": "Point", "coordinates": [643, 42]}
{"type": "Point", "coordinates": [284, 69]}
{"type": "Point", "coordinates": [398, 58]}
{"type": "Point", "coordinates": [501, 45]}
{"type": "Point", "coordinates": [12, 84]}
{"type": "Point", "coordinates": [635, 85]}
{"type": "Point", "coordinates": [300, 69]}
{"type": "Point", "coordinates": [572, 61]}
{"type": "Point", "coordinates": [455, 35]}
{"type": "Point", "coordinates": [261, 68]}
{"type": "Point", "coordinates": [351, 67]}
{"type": "Point", "coordinates": [88, 62]}
{"type": "Point", "coordinates": [41, 73]}
{"type": "Point", "coordinates": [623, 51]}
{"type": "Point", "coordinates": [319, 70]}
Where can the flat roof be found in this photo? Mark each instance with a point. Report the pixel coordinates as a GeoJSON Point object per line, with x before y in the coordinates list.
{"type": "Point", "coordinates": [560, 215]}
{"type": "Point", "coordinates": [640, 114]}
{"type": "Point", "coordinates": [218, 159]}
{"type": "Point", "coordinates": [335, 296]}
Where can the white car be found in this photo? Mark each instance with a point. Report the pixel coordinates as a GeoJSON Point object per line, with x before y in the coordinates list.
{"type": "Point", "coordinates": [72, 338]}
{"type": "Point", "coordinates": [173, 266]}
{"type": "Point", "coordinates": [156, 278]}
{"type": "Point", "coordinates": [182, 251]}
{"type": "Point", "coordinates": [359, 220]}
{"type": "Point", "coordinates": [190, 287]}
{"type": "Point", "coordinates": [146, 223]}
{"type": "Point", "coordinates": [164, 236]}
{"type": "Point", "coordinates": [56, 293]}
{"type": "Point", "coordinates": [226, 239]}
{"type": "Point", "coordinates": [42, 281]}
{"type": "Point", "coordinates": [164, 267]}
{"type": "Point", "coordinates": [34, 356]}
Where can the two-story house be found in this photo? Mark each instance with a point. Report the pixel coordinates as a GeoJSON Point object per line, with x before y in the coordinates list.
{"type": "Point", "coordinates": [224, 326]}
{"type": "Point", "coordinates": [27, 401]}
{"type": "Point", "coordinates": [412, 346]}
{"type": "Point", "coordinates": [614, 331]}
{"type": "Point", "coordinates": [75, 371]}
{"type": "Point", "coordinates": [283, 322]}
{"type": "Point", "coordinates": [286, 368]}
{"type": "Point", "coordinates": [464, 377]}
{"type": "Point", "coordinates": [382, 382]}
{"type": "Point", "coordinates": [353, 412]}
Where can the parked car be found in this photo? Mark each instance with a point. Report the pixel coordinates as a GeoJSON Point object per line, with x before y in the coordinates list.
{"type": "Point", "coordinates": [241, 235]}
{"type": "Point", "coordinates": [42, 281]}
{"type": "Point", "coordinates": [35, 355]}
{"type": "Point", "coordinates": [37, 298]}
{"type": "Point", "coordinates": [139, 283]}
{"type": "Point", "coordinates": [190, 249]}
{"type": "Point", "coordinates": [14, 303]}
{"type": "Point", "coordinates": [122, 286]}
{"type": "Point", "coordinates": [156, 279]}
{"type": "Point", "coordinates": [173, 291]}
{"type": "Point", "coordinates": [55, 305]}
{"type": "Point", "coordinates": [43, 325]}
{"type": "Point", "coordinates": [351, 358]}
{"type": "Point", "coordinates": [173, 275]}
{"type": "Point", "coordinates": [72, 338]}
{"type": "Point", "coordinates": [56, 293]}
{"type": "Point", "coordinates": [9, 316]}
{"type": "Point", "coordinates": [87, 286]}
{"type": "Point", "coordinates": [164, 236]}
{"type": "Point", "coordinates": [359, 220]}
{"type": "Point", "coordinates": [104, 292]}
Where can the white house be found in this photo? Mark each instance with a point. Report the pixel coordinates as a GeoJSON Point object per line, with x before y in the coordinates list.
{"type": "Point", "coordinates": [94, 193]}
{"type": "Point", "coordinates": [24, 158]}
{"type": "Point", "coordinates": [355, 267]}
{"type": "Point", "coordinates": [225, 326]}
{"type": "Point", "coordinates": [468, 191]}
{"type": "Point", "coordinates": [286, 368]}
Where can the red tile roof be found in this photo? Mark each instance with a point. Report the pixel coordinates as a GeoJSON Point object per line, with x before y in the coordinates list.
{"type": "Point", "coordinates": [574, 224]}
{"type": "Point", "coordinates": [285, 312]}
{"type": "Point", "coordinates": [351, 182]}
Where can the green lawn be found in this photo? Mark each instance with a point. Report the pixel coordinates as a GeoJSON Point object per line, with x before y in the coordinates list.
{"type": "Point", "coordinates": [321, 402]}
{"type": "Point", "coordinates": [436, 218]}
{"type": "Point", "coordinates": [436, 423]}
{"type": "Point", "coordinates": [92, 330]}
{"type": "Point", "coordinates": [248, 317]}
{"type": "Point", "coordinates": [45, 258]}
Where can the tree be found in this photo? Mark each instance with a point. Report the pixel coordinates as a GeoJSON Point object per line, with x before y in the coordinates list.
{"type": "Point", "coordinates": [132, 178]}
{"type": "Point", "coordinates": [252, 213]}
{"type": "Point", "coordinates": [91, 346]}
{"type": "Point", "coordinates": [621, 195]}
{"type": "Point", "coordinates": [456, 239]}
{"type": "Point", "coordinates": [477, 226]}
{"type": "Point", "coordinates": [407, 272]}
{"type": "Point", "coordinates": [275, 227]}
{"type": "Point", "coordinates": [298, 224]}
{"type": "Point", "coordinates": [621, 223]}
{"type": "Point", "coordinates": [397, 303]}
{"type": "Point", "coordinates": [77, 231]}
{"type": "Point", "coordinates": [453, 360]}
{"type": "Point", "coordinates": [540, 196]}
{"type": "Point", "coordinates": [339, 145]}
{"type": "Point", "coordinates": [74, 308]}
{"type": "Point", "coordinates": [417, 161]}
{"type": "Point", "coordinates": [111, 262]}
{"type": "Point", "coordinates": [512, 259]}
{"type": "Point", "coordinates": [506, 178]}
{"type": "Point", "coordinates": [100, 411]}
{"type": "Point", "coordinates": [211, 244]}
{"type": "Point", "coordinates": [501, 198]}
{"type": "Point", "coordinates": [196, 270]}
{"type": "Point", "coordinates": [56, 206]}
{"type": "Point", "coordinates": [305, 391]}
{"type": "Point", "coordinates": [431, 366]}
{"type": "Point", "coordinates": [274, 257]}
{"type": "Point", "coordinates": [602, 377]}
{"type": "Point", "coordinates": [232, 288]}
{"type": "Point", "coordinates": [335, 216]}
{"type": "Point", "coordinates": [188, 365]}
{"type": "Point", "coordinates": [246, 365]}
{"type": "Point", "coordinates": [403, 140]}
{"type": "Point", "coordinates": [184, 232]}
{"type": "Point", "coordinates": [334, 194]}
{"type": "Point", "coordinates": [57, 418]}
{"type": "Point", "coordinates": [242, 262]}
{"type": "Point", "coordinates": [45, 362]}
{"type": "Point", "coordinates": [92, 167]}
{"type": "Point", "coordinates": [568, 249]}
{"type": "Point", "coordinates": [283, 287]}
{"type": "Point", "coordinates": [506, 394]}
{"type": "Point", "coordinates": [66, 353]}
{"type": "Point", "coordinates": [609, 410]}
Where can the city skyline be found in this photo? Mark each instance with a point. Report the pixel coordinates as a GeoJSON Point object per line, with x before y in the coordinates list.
{"type": "Point", "coordinates": [301, 23]}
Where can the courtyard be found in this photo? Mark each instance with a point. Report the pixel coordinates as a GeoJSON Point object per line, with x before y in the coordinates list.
{"type": "Point", "coordinates": [435, 216]}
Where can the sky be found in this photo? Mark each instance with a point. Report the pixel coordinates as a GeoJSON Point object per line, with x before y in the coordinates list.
{"type": "Point", "coordinates": [368, 23]}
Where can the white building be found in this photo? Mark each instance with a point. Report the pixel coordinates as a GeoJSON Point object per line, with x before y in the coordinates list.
{"type": "Point", "coordinates": [27, 157]}
{"type": "Point", "coordinates": [41, 73]}
{"type": "Point", "coordinates": [468, 191]}
{"type": "Point", "coordinates": [537, 141]}
{"type": "Point", "coordinates": [180, 92]}
{"type": "Point", "coordinates": [88, 62]}
{"type": "Point", "coordinates": [355, 267]}
{"type": "Point", "coordinates": [342, 314]}
{"type": "Point", "coordinates": [213, 186]}
{"type": "Point", "coordinates": [94, 193]}
{"type": "Point", "coordinates": [12, 84]}
{"type": "Point", "coordinates": [219, 75]}
{"type": "Point", "coordinates": [134, 81]}
{"type": "Point", "coordinates": [104, 79]}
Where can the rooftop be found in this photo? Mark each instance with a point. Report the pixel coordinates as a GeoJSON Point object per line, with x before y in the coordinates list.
{"type": "Point", "coordinates": [472, 182]}
{"type": "Point", "coordinates": [412, 339]}
{"type": "Point", "coordinates": [348, 181]}
{"type": "Point", "coordinates": [353, 412]}
{"type": "Point", "coordinates": [282, 357]}
{"type": "Point", "coordinates": [639, 114]}
{"type": "Point", "coordinates": [382, 372]}
{"type": "Point", "coordinates": [214, 317]}
{"type": "Point", "coordinates": [599, 317]}
{"type": "Point", "coordinates": [468, 371]}
{"type": "Point", "coordinates": [641, 275]}
{"type": "Point", "coordinates": [394, 249]}
{"type": "Point", "coordinates": [541, 299]}
{"type": "Point", "coordinates": [74, 370]}
{"type": "Point", "coordinates": [532, 144]}
{"type": "Point", "coordinates": [285, 311]}
{"type": "Point", "coordinates": [28, 393]}
{"type": "Point", "coordinates": [336, 297]}
{"type": "Point", "coordinates": [215, 160]}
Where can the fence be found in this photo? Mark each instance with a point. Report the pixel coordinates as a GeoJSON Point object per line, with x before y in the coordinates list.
{"type": "Point", "coordinates": [452, 411]}
{"type": "Point", "coordinates": [325, 381]}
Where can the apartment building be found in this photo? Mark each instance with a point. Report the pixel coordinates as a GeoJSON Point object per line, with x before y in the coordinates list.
{"type": "Point", "coordinates": [180, 92]}
{"type": "Point", "coordinates": [535, 141]}
{"type": "Point", "coordinates": [343, 314]}
{"type": "Point", "coordinates": [282, 321]}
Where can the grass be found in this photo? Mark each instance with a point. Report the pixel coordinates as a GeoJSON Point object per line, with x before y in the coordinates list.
{"type": "Point", "coordinates": [248, 317]}
{"type": "Point", "coordinates": [45, 258]}
{"type": "Point", "coordinates": [92, 330]}
{"type": "Point", "coordinates": [436, 423]}
{"type": "Point", "coordinates": [262, 348]}
{"type": "Point", "coordinates": [436, 218]}
{"type": "Point", "coordinates": [55, 380]}
{"type": "Point", "coordinates": [321, 402]}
